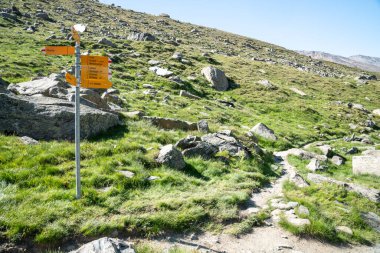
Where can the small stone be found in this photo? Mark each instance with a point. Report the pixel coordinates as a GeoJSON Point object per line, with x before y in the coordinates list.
{"type": "Point", "coordinates": [337, 160]}
{"type": "Point", "coordinates": [28, 141]}
{"type": "Point", "coordinates": [314, 165]}
{"type": "Point", "coordinates": [303, 210]}
{"type": "Point", "coordinates": [203, 126]}
{"type": "Point", "coordinates": [344, 229]}
{"type": "Point", "coordinates": [152, 178]}
{"type": "Point", "coordinates": [127, 174]}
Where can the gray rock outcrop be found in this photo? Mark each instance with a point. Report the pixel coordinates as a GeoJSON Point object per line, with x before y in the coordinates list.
{"type": "Point", "coordinates": [106, 245]}
{"type": "Point", "coordinates": [369, 163]}
{"type": "Point", "coordinates": [216, 77]}
{"type": "Point", "coordinates": [137, 36]}
{"type": "Point", "coordinates": [171, 157]}
{"type": "Point", "coordinates": [50, 118]}
{"type": "Point", "coordinates": [106, 42]}
{"type": "Point", "coordinates": [263, 131]}
{"type": "Point", "coordinates": [167, 123]}
{"type": "Point", "coordinates": [371, 194]}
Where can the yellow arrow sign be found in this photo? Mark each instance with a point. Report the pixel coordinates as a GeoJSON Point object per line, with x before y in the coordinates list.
{"type": "Point", "coordinates": [96, 84]}
{"type": "Point", "coordinates": [58, 50]}
{"type": "Point", "coordinates": [71, 79]}
{"type": "Point", "coordinates": [99, 61]}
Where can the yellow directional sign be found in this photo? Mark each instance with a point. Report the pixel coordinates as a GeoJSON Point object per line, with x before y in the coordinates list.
{"type": "Point", "coordinates": [100, 61]}
{"type": "Point", "coordinates": [58, 50]}
{"type": "Point", "coordinates": [71, 79]}
{"type": "Point", "coordinates": [94, 72]}
{"type": "Point", "coordinates": [96, 84]}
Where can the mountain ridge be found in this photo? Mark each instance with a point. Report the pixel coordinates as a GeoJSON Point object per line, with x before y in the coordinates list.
{"type": "Point", "coordinates": [366, 63]}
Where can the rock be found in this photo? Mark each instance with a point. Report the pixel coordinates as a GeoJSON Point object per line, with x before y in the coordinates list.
{"type": "Point", "coordinates": [337, 160]}
{"type": "Point", "coordinates": [148, 86]}
{"type": "Point", "coordinates": [376, 112]}
{"type": "Point", "coordinates": [126, 173]}
{"type": "Point", "coordinates": [43, 16]}
{"type": "Point", "coordinates": [303, 210]}
{"type": "Point", "coordinates": [267, 84]}
{"type": "Point", "coordinates": [314, 165]}
{"type": "Point", "coordinates": [370, 124]}
{"type": "Point", "coordinates": [298, 180]}
{"type": "Point", "coordinates": [203, 149]}
{"type": "Point", "coordinates": [226, 143]}
{"type": "Point", "coordinates": [216, 77]}
{"type": "Point", "coordinates": [299, 92]}
{"type": "Point", "coordinates": [137, 36]}
{"type": "Point", "coordinates": [278, 204]}
{"type": "Point", "coordinates": [161, 71]}
{"type": "Point", "coordinates": [25, 115]}
{"type": "Point", "coordinates": [111, 98]}
{"type": "Point", "coordinates": [366, 165]}
{"type": "Point", "coordinates": [164, 15]}
{"type": "Point", "coordinates": [106, 245]}
{"type": "Point", "coordinates": [167, 123]}
{"type": "Point", "coordinates": [372, 220]}
{"type": "Point", "coordinates": [189, 142]}
{"type": "Point", "coordinates": [91, 98]}
{"type": "Point", "coordinates": [366, 78]}
{"type": "Point", "coordinates": [134, 114]}
{"type": "Point", "coordinates": [177, 56]}
{"type": "Point", "coordinates": [371, 194]}
{"type": "Point", "coordinates": [153, 62]}
{"type": "Point", "coordinates": [28, 141]}
{"type": "Point", "coordinates": [264, 131]}
{"type": "Point", "coordinates": [344, 229]}
{"type": "Point", "coordinates": [371, 153]}
{"type": "Point", "coordinates": [176, 79]}
{"type": "Point", "coordinates": [298, 222]}
{"type": "Point", "coordinates": [106, 42]}
{"type": "Point", "coordinates": [8, 16]}
{"type": "Point", "coordinates": [203, 126]}
{"type": "Point", "coordinates": [353, 150]}
{"type": "Point", "coordinates": [50, 86]}
{"type": "Point", "coordinates": [152, 178]}
{"type": "Point", "coordinates": [326, 150]}
{"type": "Point", "coordinates": [171, 157]}
{"type": "Point", "coordinates": [184, 93]}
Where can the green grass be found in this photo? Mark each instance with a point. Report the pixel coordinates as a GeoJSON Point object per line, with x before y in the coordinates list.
{"type": "Point", "coordinates": [332, 206]}
{"type": "Point", "coordinates": [37, 188]}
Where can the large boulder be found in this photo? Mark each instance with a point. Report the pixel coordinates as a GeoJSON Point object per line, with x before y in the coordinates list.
{"type": "Point", "coordinates": [52, 86]}
{"type": "Point", "coordinates": [50, 118]}
{"type": "Point", "coordinates": [137, 36]}
{"type": "Point", "coordinates": [376, 112]}
{"type": "Point", "coordinates": [263, 131]}
{"type": "Point", "coordinates": [106, 42]}
{"type": "Point", "coordinates": [227, 143]}
{"type": "Point", "coordinates": [171, 157]}
{"type": "Point", "coordinates": [203, 149]}
{"type": "Point", "coordinates": [216, 77]}
{"type": "Point", "coordinates": [167, 123]}
{"type": "Point", "coordinates": [106, 245]}
{"type": "Point", "coordinates": [366, 165]}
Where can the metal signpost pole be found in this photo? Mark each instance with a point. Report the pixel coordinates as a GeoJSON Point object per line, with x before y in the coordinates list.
{"type": "Point", "coordinates": [77, 119]}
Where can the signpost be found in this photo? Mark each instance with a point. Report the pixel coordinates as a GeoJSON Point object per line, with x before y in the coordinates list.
{"type": "Point", "coordinates": [90, 72]}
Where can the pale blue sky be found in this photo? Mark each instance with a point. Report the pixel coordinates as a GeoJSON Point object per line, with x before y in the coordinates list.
{"type": "Point", "coordinates": [343, 27]}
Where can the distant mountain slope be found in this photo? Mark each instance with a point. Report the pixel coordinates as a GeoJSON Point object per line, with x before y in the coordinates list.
{"type": "Point", "coordinates": [367, 63]}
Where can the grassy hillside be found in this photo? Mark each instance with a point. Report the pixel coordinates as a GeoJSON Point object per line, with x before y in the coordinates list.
{"type": "Point", "coordinates": [37, 182]}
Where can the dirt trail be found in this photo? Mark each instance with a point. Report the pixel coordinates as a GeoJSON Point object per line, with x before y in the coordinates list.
{"type": "Point", "coordinates": [263, 239]}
